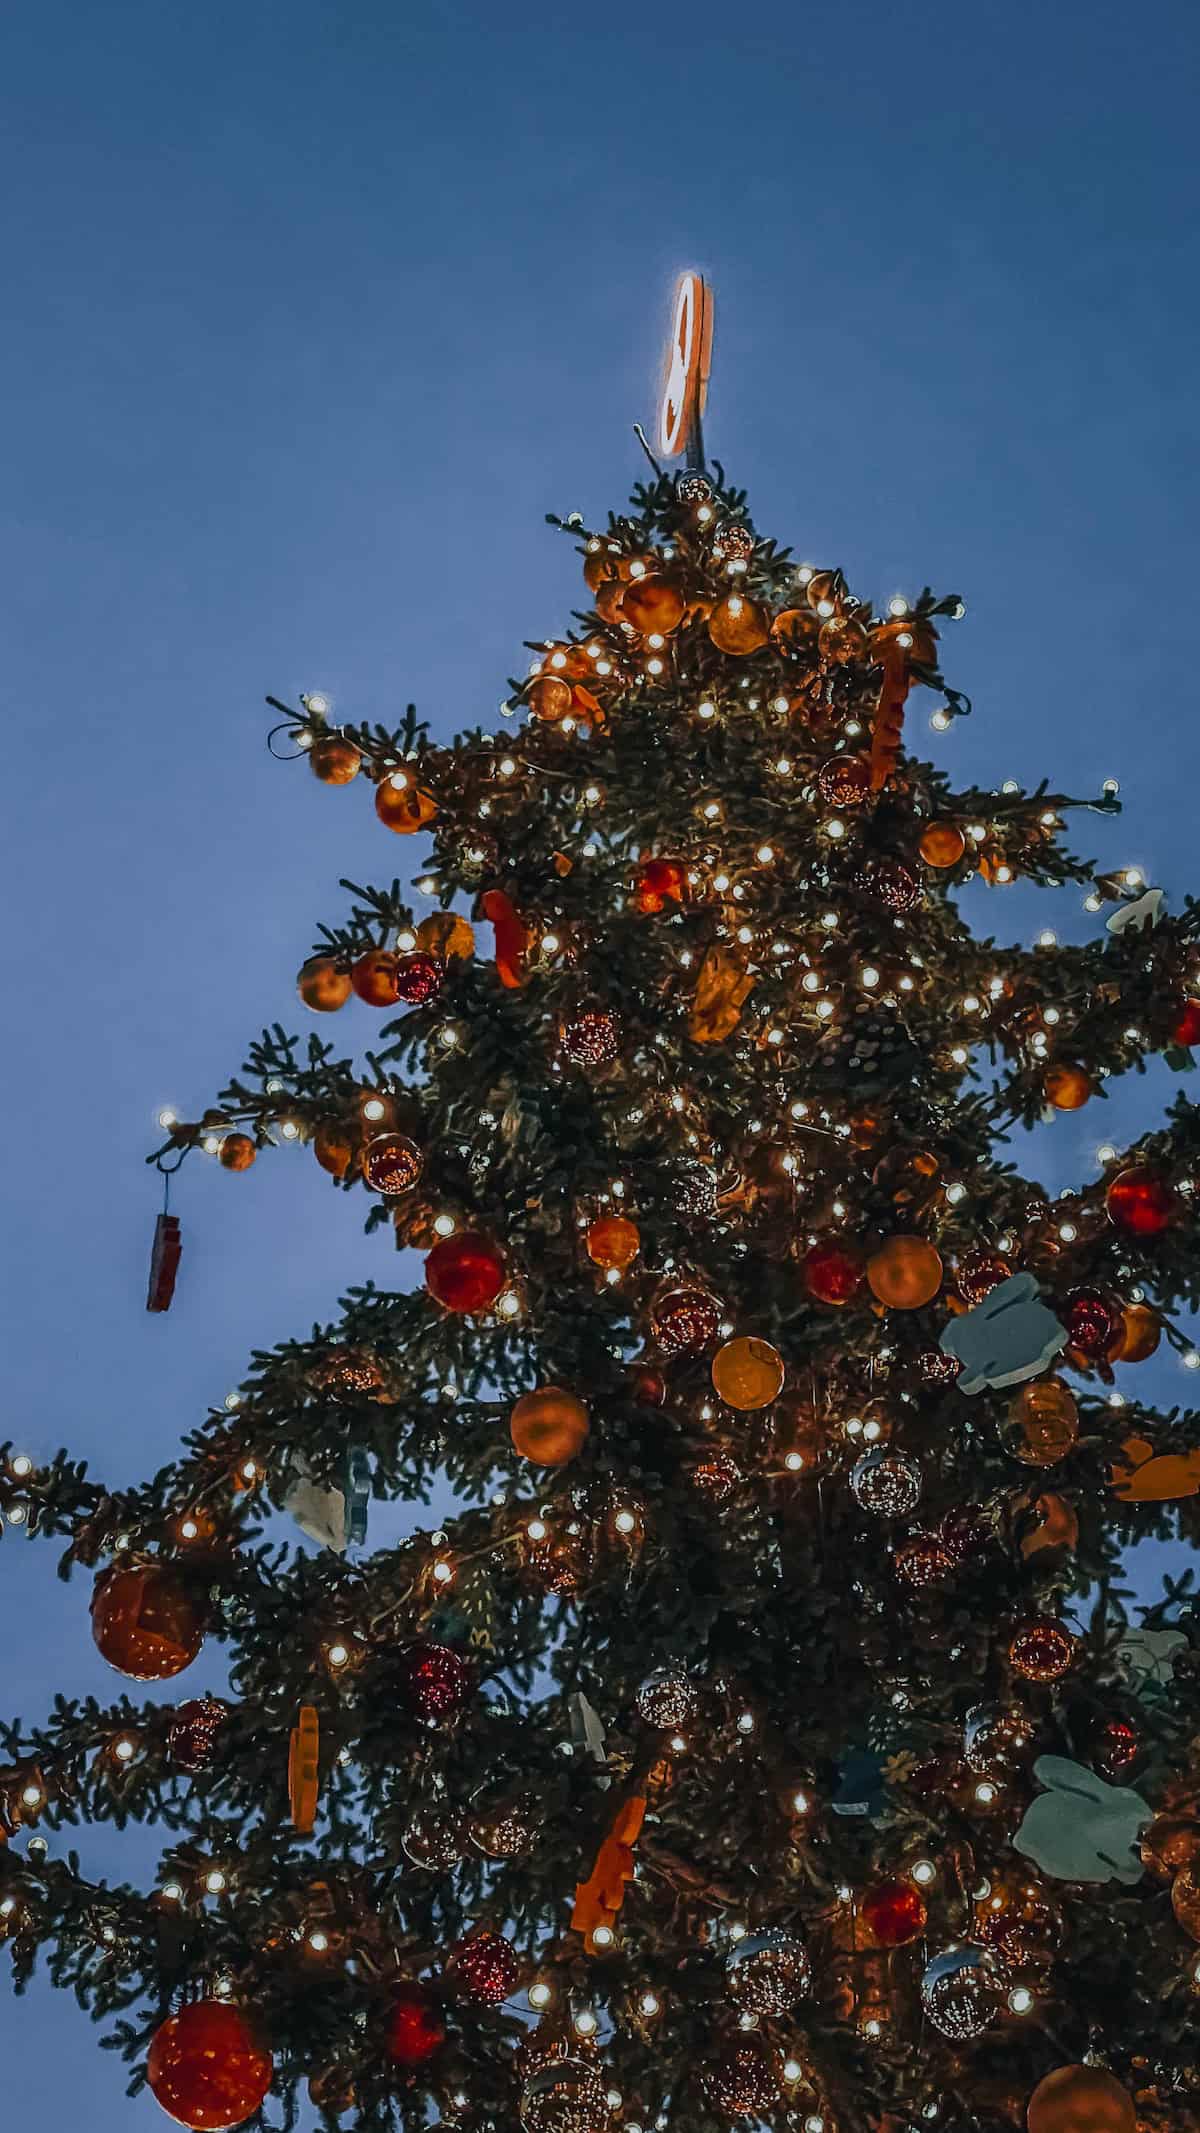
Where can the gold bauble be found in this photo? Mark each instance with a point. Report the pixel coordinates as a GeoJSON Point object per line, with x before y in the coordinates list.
{"type": "Point", "coordinates": [748, 1373]}
{"type": "Point", "coordinates": [737, 625]}
{"type": "Point", "coordinates": [548, 1426]}
{"type": "Point", "coordinates": [1081, 2099]}
{"type": "Point", "coordinates": [905, 1273]}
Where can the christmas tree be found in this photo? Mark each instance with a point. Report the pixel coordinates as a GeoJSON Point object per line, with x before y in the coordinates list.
{"type": "Point", "coordinates": [765, 1731]}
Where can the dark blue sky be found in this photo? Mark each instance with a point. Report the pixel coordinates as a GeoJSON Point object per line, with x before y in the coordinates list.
{"type": "Point", "coordinates": [310, 312]}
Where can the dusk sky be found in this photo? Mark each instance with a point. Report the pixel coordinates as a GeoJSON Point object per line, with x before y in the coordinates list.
{"type": "Point", "coordinates": [311, 313]}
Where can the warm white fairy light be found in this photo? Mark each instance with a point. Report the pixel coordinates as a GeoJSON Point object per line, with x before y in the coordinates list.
{"type": "Point", "coordinates": [536, 1529]}
{"type": "Point", "coordinates": [21, 1465]}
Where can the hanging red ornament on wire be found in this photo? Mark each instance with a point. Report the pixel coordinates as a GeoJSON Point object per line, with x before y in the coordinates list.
{"type": "Point", "coordinates": [436, 1680]}
{"type": "Point", "coordinates": [484, 1967]}
{"type": "Point", "coordinates": [1139, 1203]}
{"type": "Point", "coordinates": [465, 1272]}
{"type": "Point", "coordinates": [893, 1912]}
{"type": "Point", "coordinates": [415, 2031]}
{"type": "Point", "coordinates": [146, 1621]}
{"type": "Point", "coordinates": [165, 1254]}
{"type": "Point", "coordinates": [206, 2069]}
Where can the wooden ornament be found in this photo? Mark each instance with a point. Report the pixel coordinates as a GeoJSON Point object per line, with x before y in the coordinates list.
{"type": "Point", "coordinates": [304, 1779]}
{"type": "Point", "coordinates": [721, 989]}
{"type": "Point", "coordinates": [165, 1254]}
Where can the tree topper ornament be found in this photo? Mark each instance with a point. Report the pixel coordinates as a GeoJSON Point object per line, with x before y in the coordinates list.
{"type": "Point", "coordinates": [1081, 1828]}
{"type": "Point", "coordinates": [1007, 1338]}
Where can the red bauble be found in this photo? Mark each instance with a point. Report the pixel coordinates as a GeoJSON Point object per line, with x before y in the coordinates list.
{"type": "Point", "coordinates": [1093, 1321]}
{"type": "Point", "coordinates": [660, 882]}
{"type": "Point", "coordinates": [1115, 1747]}
{"type": "Point", "coordinates": [465, 1272]}
{"type": "Point", "coordinates": [1041, 1649]}
{"type": "Point", "coordinates": [684, 1320]}
{"type": "Point", "coordinates": [205, 2068]}
{"type": "Point", "coordinates": [484, 1967]}
{"type": "Point", "coordinates": [923, 1560]}
{"type": "Point", "coordinates": [437, 1680]}
{"type": "Point", "coordinates": [192, 1735]}
{"type": "Point", "coordinates": [893, 1912]}
{"type": "Point", "coordinates": [831, 1273]}
{"type": "Point", "coordinates": [589, 1038]}
{"type": "Point", "coordinates": [418, 979]}
{"type": "Point", "coordinates": [1139, 1202]}
{"type": "Point", "coordinates": [978, 1273]}
{"type": "Point", "coordinates": [145, 1621]}
{"type": "Point", "coordinates": [416, 2031]}
{"type": "Point", "coordinates": [1186, 1028]}
{"type": "Point", "coordinates": [649, 1386]}
{"type": "Point", "coordinates": [845, 780]}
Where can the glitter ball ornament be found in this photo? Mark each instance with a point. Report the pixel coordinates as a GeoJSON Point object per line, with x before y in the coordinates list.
{"type": "Point", "coordinates": [683, 1320]}
{"type": "Point", "coordinates": [957, 1994]}
{"type": "Point", "coordinates": [667, 1699]}
{"type": "Point", "coordinates": [465, 1272]}
{"type": "Point", "coordinates": [506, 1829]}
{"type": "Point", "coordinates": [995, 1737]}
{"type": "Point", "coordinates": [693, 488]}
{"type": "Point", "coordinates": [146, 1621]}
{"type": "Point", "coordinates": [205, 2068]}
{"type": "Point", "coordinates": [737, 626]}
{"type": "Point", "coordinates": [748, 1373]}
{"type": "Point", "coordinates": [565, 2095]}
{"type": "Point", "coordinates": [1092, 1320]}
{"type": "Point", "coordinates": [886, 1483]}
{"type": "Point", "coordinates": [1081, 2099]}
{"type": "Point", "coordinates": [942, 844]}
{"type": "Point", "coordinates": [1185, 1029]}
{"type": "Point", "coordinates": [334, 760]}
{"type": "Point", "coordinates": [374, 978]}
{"type": "Point", "coordinates": [768, 1972]}
{"type": "Point", "coordinates": [1185, 1900]}
{"type": "Point", "coordinates": [1067, 1087]}
{"type": "Point", "coordinates": [963, 1531]}
{"type": "Point", "coordinates": [418, 979]}
{"type": "Point", "coordinates": [392, 1163]}
{"type": "Point", "coordinates": [716, 1476]}
{"type": "Point", "coordinates": [905, 1273]}
{"type": "Point", "coordinates": [893, 1912]}
{"type": "Point", "coordinates": [323, 985]}
{"type": "Point", "coordinates": [612, 1242]}
{"type": "Point", "coordinates": [1042, 1424]}
{"type": "Point", "coordinates": [935, 1367]}
{"type": "Point", "coordinates": [193, 1733]}
{"type": "Point", "coordinates": [844, 781]}
{"type": "Point", "coordinates": [1171, 1843]}
{"type": "Point", "coordinates": [348, 1374]}
{"type": "Point", "coordinates": [978, 1273]}
{"type": "Point", "coordinates": [893, 885]}
{"type": "Point", "coordinates": [733, 542]}
{"type": "Point", "coordinates": [923, 1561]}
{"type": "Point", "coordinates": [484, 1967]}
{"type": "Point", "coordinates": [694, 1189]}
{"type": "Point", "coordinates": [402, 808]}
{"type": "Point", "coordinates": [659, 882]}
{"type": "Point", "coordinates": [1139, 1203]}
{"type": "Point", "coordinates": [435, 1681]}
{"type": "Point", "coordinates": [433, 1840]}
{"type": "Point", "coordinates": [415, 2029]}
{"type": "Point", "coordinates": [1041, 1649]}
{"type": "Point", "coordinates": [653, 605]}
{"type": "Point", "coordinates": [832, 1274]}
{"type": "Point", "coordinates": [743, 2080]}
{"type": "Point", "coordinates": [589, 1039]}
{"type": "Point", "coordinates": [548, 1426]}
{"type": "Point", "coordinates": [236, 1152]}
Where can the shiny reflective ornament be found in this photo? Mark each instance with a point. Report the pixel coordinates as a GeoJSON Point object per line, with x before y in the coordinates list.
{"type": "Point", "coordinates": [737, 626]}
{"type": "Point", "coordinates": [978, 1273]}
{"type": "Point", "coordinates": [768, 1972]}
{"type": "Point", "coordinates": [1139, 1203]}
{"type": "Point", "coordinates": [565, 2095]}
{"type": "Point", "coordinates": [659, 882]}
{"type": "Point", "coordinates": [905, 1273]}
{"type": "Point", "coordinates": [402, 808]}
{"type": "Point", "coordinates": [1140, 1334]}
{"type": "Point", "coordinates": [415, 2029]}
{"type": "Point", "coordinates": [684, 1320]}
{"type": "Point", "coordinates": [612, 1242]}
{"type": "Point", "coordinates": [832, 1274]}
{"type": "Point", "coordinates": [549, 698]}
{"type": "Point", "coordinates": [465, 1273]}
{"type": "Point", "coordinates": [334, 760]}
{"type": "Point", "coordinates": [886, 1483]}
{"type": "Point", "coordinates": [748, 1373]}
{"type": "Point", "coordinates": [1067, 1087]}
{"type": "Point", "coordinates": [549, 1426]}
{"type": "Point", "coordinates": [236, 1152]}
{"type": "Point", "coordinates": [957, 1994]}
{"type": "Point", "coordinates": [733, 541]}
{"type": "Point", "coordinates": [1171, 1843]}
{"type": "Point", "coordinates": [743, 2081]}
{"type": "Point", "coordinates": [1092, 1320]}
{"type": "Point", "coordinates": [893, 1912]}
{"type": "Point", "coordinates": [334, 1146]}
{"type": "Point", "coordinates": [146, 1621]}
{"type": "Point", "coordinates": [193, 1734]}
{"type": "Point", "coordinates": [205, 2068]}
{"type": "Point", "coordinates": [995, 1737]}
{"type": "Point", "coordinates": [418, 979]}
{"type": "Point", "coordinates": [392, 1163]}
{"type": "Point", "coordinates": [323, 985]}
{"type": "Point", "coordinates": [1185, 1900]}
{"type": "Point", "coordinates": [590, 1039]}
{"type": "Point", "coordinates": [1041, 1650]}
{"type": "Point", "coordinates": [942, 844]}
{"type": "Point", "coordinates": [653, 605]}
{"type": "Point", "coordinates": [1042, 1424]}
{"type": "Point", "coordinates": [845, 780]}
{"type": "Point", "coordinates": [923, 1561]}
{"type": "Point", "coordinates": [1081, 2099]}
{"type": "Point", "coordinates": [484, 1967]}
{"type": "Point", "coordinates": [435, 1680]}
{"type": "Point", "coordinates": [668, 1699]}
{"type": "Point", "coordinates": [373, 978]}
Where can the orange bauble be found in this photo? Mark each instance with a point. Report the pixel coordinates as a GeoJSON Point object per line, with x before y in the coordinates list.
{"type": "Point", "coordinates": [145, 1621]}
{"type": "Point", "coordinates": [334, 1147]}
{"type": "Point", "coordinates": [612, 1241]}
{"type": "Point", "coordinates": [1185, 1900]}
{"type": "Point", "coordinates": [653, 605]}
{"type": "Point", "coordinates": [609, 598]}
{"type": "Point", "coordinates": [1042, 1424]}
{"type": "Point", "coordinates": [1067, 1087]}
{"type": "Point", "coordinates": [942, 845]}
{"type": "Point", "coordinates": [374, 977]}
{"type": "Point", "coordinates": [205, 2068]}
{"type": "Point", "coordinates": [236, 1152]}
{"type": "Point", "coordinates": [1081, 2099]}
{"type": "Point", "coordinates": [905, 1273]}
{"type": "Point", "coordinates": [401, 807]}
{"type": "Point", "coordinates": [323, 986]}
{"type": "Point", "coordinates": [748, 1373]}
{"type": "Point", "coordinates": [548, 1426]}
{"type": "Point", "coordinates": [334, 760]}
{"type": "Point", "coordinates": [598, 564]}
{"type": "Point", "coordinates": [1169, 1844]}
{"type": "Point", "coordinates": [737, 625]}
{"type": "Point", "coordinates": [1140, 1334]}
{"type": "Point", "coordinates": [549, 698]}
